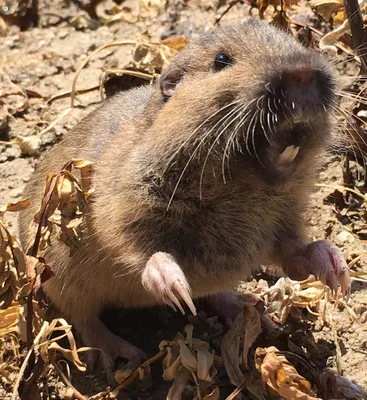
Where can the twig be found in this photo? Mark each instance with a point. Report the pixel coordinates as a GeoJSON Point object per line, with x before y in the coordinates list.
{"type": "Point", "coordinates": [358, 34]}
{"type": "Point", "coordinates": [66, 94]}
{"type": "Point", "coordinates": [84, 63]}
{"type": "Point", "coordinates": [229, 7]}
{"type": "Point", "coordinates": [341, 188]}
{"type": "Point", "coordinates": [122, 72]}
{"type": "Point", "coordinates": [56, 121]}
{"type": "Point", "coordinates": [25, 362]}
{"type": "Point", "coordinates": [338, 351]}
{"type": "Point", "coordinates": [136, 373]}
{"type": "Point", "coordinates": [238, 389]}
{"type": "Point", "coordinates": [67, 382]}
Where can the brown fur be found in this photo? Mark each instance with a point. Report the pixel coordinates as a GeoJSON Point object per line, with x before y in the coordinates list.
{"type": "Point", "coordinates": [218, 228]}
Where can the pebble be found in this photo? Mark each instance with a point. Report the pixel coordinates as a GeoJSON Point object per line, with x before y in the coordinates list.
{"type": "Point", "coordinates": [343, 237]}
{"type": "Point", "coordinates": [16, 192]}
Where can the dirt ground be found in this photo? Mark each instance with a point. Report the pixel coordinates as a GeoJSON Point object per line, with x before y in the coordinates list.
{"type": "Point", "coordinates": [43, 60]}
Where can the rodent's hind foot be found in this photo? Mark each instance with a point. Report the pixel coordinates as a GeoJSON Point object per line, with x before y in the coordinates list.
{"type": "Point", "coordinates": [110, 346]}
{"type": "Point", "coordinates": [326, 262]}
{"type": "Point", "coordinates": [165, 280]}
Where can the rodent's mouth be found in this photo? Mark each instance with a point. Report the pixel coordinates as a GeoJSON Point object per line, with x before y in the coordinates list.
{"type": "Point", "coordinates": [289, 119]}
{"type": "Point", "coordinates": [279, 152]}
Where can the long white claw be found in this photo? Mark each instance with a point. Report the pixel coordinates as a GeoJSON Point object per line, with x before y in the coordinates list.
{"type": "Point", "coordinates": [185, 295]}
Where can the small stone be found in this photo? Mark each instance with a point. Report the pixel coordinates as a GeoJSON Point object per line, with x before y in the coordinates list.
{"type": "Point", "coordinates": [363, 318]}
{"type": "Point", "coordinates": [12, 153]}
{"type": "Point", "coordinates": [359, 309]}
{"type": "Point", "coordinates": [343, 238]}
{"type": "Point", "coordinates": [16, 192]}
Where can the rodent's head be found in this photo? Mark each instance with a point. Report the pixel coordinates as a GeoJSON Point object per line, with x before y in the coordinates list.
{"type": "Point", "coordinates": [250, 90]}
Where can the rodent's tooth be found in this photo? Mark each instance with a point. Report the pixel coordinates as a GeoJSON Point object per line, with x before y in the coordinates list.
{"type": "Point", "coordinates": [288, 155]}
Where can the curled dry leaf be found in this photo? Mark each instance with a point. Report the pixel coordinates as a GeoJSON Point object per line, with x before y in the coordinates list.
{"type": "Point", "coordinates": [281, 376]}
{"type": "Point", "coordinates": [251, 330]}
{"type": "Point", "coordinates": [327, 42]}
{"type": "Point", "coordinates": [48, 345]}
{"type": "Point", "coordinates": [12, 259]}
{"type": "Point", "coordinates": [286, 295]}
{"type": "Point", "coordinates": [328, 8]}
{"type": "Point", "coordinates": [247, 325]}
{"type": "Point", "coordinates": [63, 206]}
{"type": "Point", "coordinates": [189, 358]}
{"type": "Point", "coordinates": [230, 350]}
{"type": "Point", "coordinates": [153, 57]}
{"type": "Point", "coordinates": [14, 207]}
{"type": "Point", "coordinates": [334, 11]}
{"type": "Point", "coordinates": [29, 145]}
{"type": "Point", "coordinates": [9, 319]}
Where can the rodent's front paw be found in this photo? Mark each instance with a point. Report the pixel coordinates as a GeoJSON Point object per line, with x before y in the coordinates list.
{"type": "Point", "coordinates": [324, 260]}
{"type": "Point", "coordinates": [165, 280]}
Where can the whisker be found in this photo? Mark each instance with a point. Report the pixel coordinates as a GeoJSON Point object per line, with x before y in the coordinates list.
{"type": "Point", "coordinates": [218, 136]}
{"type": "Point", "coordinates": [196, 148]}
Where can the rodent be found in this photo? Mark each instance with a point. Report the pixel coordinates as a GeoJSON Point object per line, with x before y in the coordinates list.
{"type": "Point", "coordinates": [199, 179]}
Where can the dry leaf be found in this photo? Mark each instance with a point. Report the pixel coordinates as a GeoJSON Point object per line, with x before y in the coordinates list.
{"type": "Point", "coordinates": [29, 145]}
{"type": "Point", "coordinates": [326, 8]}
{"type": "Point", "coordinates": [230, 350]}
{"type": "Point", "coordinates": [48, 347]}
{"type": "Point", "coordinates": [153, 57]}
{"type": "Point", "coordinates": [186, 359]}
{"type": "Point", "coordinates": [14, 207]}
{"type": "Point", "coordinates": [63, 206]}
{"type": "Point", "coordinates": [281, 375]}
{"type": "Point", "coordinates": [251, 330]}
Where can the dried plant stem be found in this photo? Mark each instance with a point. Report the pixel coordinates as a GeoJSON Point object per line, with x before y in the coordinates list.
{"type": "Point", "coordinates": [85, 62]}
{"type": "Point", "coordinates": [26, 360]}
{"type": "Point", "coordinates": [238, 389]}
{"type": "Point", "coordinates": [338, 351]}
{"type": "Point", "coordinates": [67, 382]}
{"type": "Point", "coordinates": [136, 373]}
{"type": "Point", "coordinates": [107, 72]}
{"type": "Point", "coordinates": [358, 33]}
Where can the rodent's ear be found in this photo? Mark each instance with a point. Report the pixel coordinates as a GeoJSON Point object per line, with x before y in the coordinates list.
{"type": "Point", "coordinates": [169, 81]}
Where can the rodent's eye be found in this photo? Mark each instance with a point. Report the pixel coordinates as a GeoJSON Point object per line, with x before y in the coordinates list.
{"type": "Point", "coordinates": [222, 60]}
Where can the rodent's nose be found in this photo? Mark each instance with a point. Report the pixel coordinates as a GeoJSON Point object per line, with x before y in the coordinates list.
{"type": "Point", "coordinates": [302, 77]}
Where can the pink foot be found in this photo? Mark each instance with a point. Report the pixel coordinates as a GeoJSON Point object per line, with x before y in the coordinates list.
{"type": "Point", "coordinates": [96, 334]}
{"type": "Point", "coordinates": [325, 261]}
{"type": "Point", "coordinates": [165, 280]}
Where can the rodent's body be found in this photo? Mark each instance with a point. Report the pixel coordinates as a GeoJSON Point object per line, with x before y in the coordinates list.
{"type": "Point", "coordinates": [170, 176]}
{"type": "Point", "coordinates": [207, 238]}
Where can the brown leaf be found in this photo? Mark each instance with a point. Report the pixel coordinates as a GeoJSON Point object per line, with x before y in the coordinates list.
{"type": "Point", "coordinates": [230, 350]}
{"type": "Point", "coordinates": [29, 145]}
{"type": "Point", "coordinates": [181, 379]}
{"type": "Point", "coordinates": [14, 207]}
{"type": "Point", "coordinates": [326, 8]}
{"type": "Point", "coordinates": [251, 330]}
{"type": "Point", "coordinates": [188, 358]}
{"type": "Point", "coordinates": [31, 272]}
{"type": "Point", "coordinates": [281, 375]}
{"type": "Point", "coordinates": [176, 43]}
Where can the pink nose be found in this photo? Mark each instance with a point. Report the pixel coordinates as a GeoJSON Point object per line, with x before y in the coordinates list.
{"type": "Point", "coordinates": [300, 77]}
